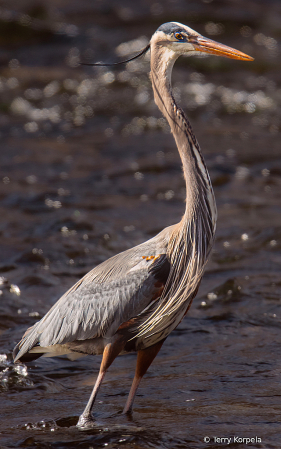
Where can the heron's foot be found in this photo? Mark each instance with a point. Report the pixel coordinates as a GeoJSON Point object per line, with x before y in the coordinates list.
{"type": "Point", "coordinates": [85, 421]}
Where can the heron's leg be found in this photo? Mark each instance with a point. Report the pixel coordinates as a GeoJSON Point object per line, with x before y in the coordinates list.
{"type": "Point", "coordinates": [144, 360]}
{"type": "Point", "coordinates": [110, 352]}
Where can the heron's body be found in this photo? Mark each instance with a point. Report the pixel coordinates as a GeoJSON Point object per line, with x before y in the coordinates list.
{"type": "Point", "coordinates": [133, 301]}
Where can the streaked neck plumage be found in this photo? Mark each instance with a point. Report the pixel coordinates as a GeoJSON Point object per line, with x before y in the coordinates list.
{"type": "Point", "coordinates": [199, 191]}
{"type": "Point", "coordinates": [192, 238]}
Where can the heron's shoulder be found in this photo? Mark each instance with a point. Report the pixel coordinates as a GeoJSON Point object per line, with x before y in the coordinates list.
{"type": "Point", "coordinates": [130, 260]}
{"type": "Point", "coordinates": [134, 263]}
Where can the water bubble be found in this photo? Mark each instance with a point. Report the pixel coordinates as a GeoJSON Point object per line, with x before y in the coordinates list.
{"type": "Point", "coordinates": [152, 122]}
{"type": "Point", "coordinates": [20, 106]}
{"type": "Point", "coordinates": [169, 195]}
{"type": "Point", "coordinates": [3, 358]}
{"type": "Point", "coordinates": [79, 120]}
{"type": "Point", "coordinates": [134, 165]}
{"type": "Point", "coordinates": [70, 84]}
{"type": "Point", "coordinates": [63, 192]}
{"type": "Point", "coordinates": [265, 172]}
{"type": "Point", "coordinates": [245, 31]}
{"type": "Point", "coordinates": [250, 107]}
{"type": "Point", "coordinates": [108, 132]}
{"type": "Point", "coordinates": [214, 29]}
{"type": "Point", "coordinates": [242, 172]}
{"type": "Point", "coordinates": [33, 94]}
{"type": "Point", "coordinates": [25, 20]}
{"type": "Point", "coordinates": [230, 153]}
{"type": "Point", "coordinates": [124, 76]}
{"type": "Point", "coordinates": [129, 228]}
{"type": "Point", "coordinates": [197, 77]}
{"type": "Point", "coordinates": [14, 64]}
{"type": "Point", "coordinates": [66, 232]}
{"type": "Point", "coordinates": [21, 370]}
{"type": "Point", "coordinates": [71, 30]}
{"type": "Point", "coordinates": [51, 89]}
{"type": "Point", "coordinates": [31, 127]}
{"type": "Point", "coordinates": [88, 111]}
{"type": "Point", "coordinates": [35, 314]}
{"type": "Point", "coordinates": [260, 121]}
{"type": "Point", "coordinates": [37, 251]}
{"type": "Point", "coordinates": [212, 296]}
{"type": "Point", "coordinates": [138, 176]}
{"type": "Point", "coordinates": [108, 78]}
{"type": "Point", "coordinates": [220, 159]}
{"type": "Point", "coordinates": [127, 48]}
{"type": "Point", "coordinates": [142, 97]}
{"type": "Point", "coordinates": [12, 83]}
{"type": "Point", "coordinates": [53, 204]}
{"type": "Point", "coordinates": [31, 179]}
{"type": "Point", "coordinates": [201, 92]}
{"type": "Point", "coordinates": [160, 154]}
{"type": "Point", "coordinates": [273, 243]}
{"type": "Point", "coordinates": [269, 42]}
{"type": "Point", "coordinates": [15, 289]}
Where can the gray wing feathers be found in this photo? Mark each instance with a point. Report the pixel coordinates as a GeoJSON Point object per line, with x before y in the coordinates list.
{"type": "Point", "coordinates": [109, 295]}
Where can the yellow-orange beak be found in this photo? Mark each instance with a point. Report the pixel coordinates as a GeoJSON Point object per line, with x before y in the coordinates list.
{"type": "Point", "coordinates": [206, 45]}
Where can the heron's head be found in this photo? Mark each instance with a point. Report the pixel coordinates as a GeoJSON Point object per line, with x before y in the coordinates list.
{"type": "Point", "coordinates": [179, 39]}
{"type": "Point", "coordinates": [173, 39]}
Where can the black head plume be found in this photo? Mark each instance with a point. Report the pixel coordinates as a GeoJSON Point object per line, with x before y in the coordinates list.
{"type": "Point", "coordinates": [120, 62]}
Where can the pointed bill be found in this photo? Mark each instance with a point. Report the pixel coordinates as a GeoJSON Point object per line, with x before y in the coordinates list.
{"type": "Point", "coordinates": [206, 45]}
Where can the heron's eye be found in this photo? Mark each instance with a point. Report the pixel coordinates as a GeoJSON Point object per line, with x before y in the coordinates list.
{"type": "Point", "coordinates": [179, 36]}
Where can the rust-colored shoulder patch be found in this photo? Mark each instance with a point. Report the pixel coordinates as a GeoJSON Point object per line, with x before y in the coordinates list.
{"type": "Point", "coordinates": [147, 258]}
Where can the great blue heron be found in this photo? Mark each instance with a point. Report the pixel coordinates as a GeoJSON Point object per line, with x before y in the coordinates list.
{"type": "Point", "coordinates": [134, 300]}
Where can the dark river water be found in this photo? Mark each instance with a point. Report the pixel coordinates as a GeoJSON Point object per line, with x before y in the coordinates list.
{"type": "Point", "coordinates": [89, 168]}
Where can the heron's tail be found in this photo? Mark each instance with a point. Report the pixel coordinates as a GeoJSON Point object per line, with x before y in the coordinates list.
{"type": "Point", "coordinates": [29, 339]}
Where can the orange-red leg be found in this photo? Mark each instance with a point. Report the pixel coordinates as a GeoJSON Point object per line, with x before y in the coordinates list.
{"type": "Point", "coordinates": [110, 352]}
{"type": "Point", "coordinates": [144, 360]}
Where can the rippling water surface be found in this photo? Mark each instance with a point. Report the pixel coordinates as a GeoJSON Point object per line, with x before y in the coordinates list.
{"type": "Point", "coordinates": [88, 168]}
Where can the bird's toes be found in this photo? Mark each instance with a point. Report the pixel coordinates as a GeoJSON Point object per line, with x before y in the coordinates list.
{"type": "Point", "coordinates": [85, 422]}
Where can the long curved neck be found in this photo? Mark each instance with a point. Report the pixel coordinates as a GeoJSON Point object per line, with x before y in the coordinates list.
{"type": "Point", "coordinates": [191, 240]}
{"type": "Point", "coordinates": [199, 192]}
